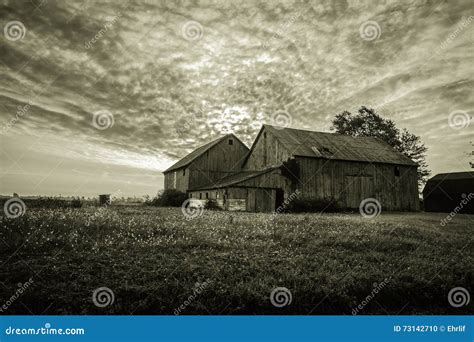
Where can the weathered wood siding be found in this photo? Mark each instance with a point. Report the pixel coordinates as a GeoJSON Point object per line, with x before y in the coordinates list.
{"type": "Point", "coordinates": [216, 194]}
{"type": "Point", "coordinates": [347, 182]}
{"type": "Point", "coordinates": [350, 182]}
{"type": "Point", "coordinates": [220, 161]}
{"type": "Point", "coordinates": [260, 200]}
{"type": "Point", "coordinates": [267, 151]}
{"type": "Point", "coordinates": [177, 180]}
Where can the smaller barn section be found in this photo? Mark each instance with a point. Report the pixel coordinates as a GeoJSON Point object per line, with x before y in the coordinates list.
{"type": "Point", "coordinates": [255, 191]}
{"type": "Point", "coordinates": [448, 192]}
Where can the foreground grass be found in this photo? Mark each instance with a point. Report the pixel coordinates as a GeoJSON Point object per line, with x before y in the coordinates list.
{"type": "Point", "coordinates": [153, 259]}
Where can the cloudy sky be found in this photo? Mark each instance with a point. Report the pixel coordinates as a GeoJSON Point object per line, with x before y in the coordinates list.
{"type": "Point", "coordinates": [101, 96]}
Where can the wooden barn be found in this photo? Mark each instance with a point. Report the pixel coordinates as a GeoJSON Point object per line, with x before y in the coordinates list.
{"type": "Point", "coordinates": [447, 191]}
{"type": "Point", "coordinates": [284, 161]}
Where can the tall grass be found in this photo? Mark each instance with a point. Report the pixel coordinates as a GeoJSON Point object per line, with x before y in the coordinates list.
{"type": "Point", "coordinates": [152, 258]}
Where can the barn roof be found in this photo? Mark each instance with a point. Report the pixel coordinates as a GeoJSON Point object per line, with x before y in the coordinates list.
{"type": "Point", "coordinates": [235, 179]}
{"type": "Point", "coordinates": [449, 183]}
{"type": "Point", "coordinates": [189, 158]}
{"type": "Point", "coordinates": [337, 146]}
{"type": "Point", "coordinates": [454, 176]}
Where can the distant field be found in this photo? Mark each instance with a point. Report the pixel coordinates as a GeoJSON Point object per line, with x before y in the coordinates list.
{"type": "Point", "coordinates": [152, 259]}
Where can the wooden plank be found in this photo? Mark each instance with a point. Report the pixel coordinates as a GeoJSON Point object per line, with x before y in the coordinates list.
{"type": "Point", "coordinates": [251, 197]}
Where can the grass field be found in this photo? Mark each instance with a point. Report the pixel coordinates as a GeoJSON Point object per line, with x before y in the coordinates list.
{"type": "Point", "coordinates": [153, 260]}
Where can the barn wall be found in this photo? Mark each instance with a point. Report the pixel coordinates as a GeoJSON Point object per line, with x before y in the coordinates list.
{"type": "Point", "coordinates": [207, 194]}
{"type": "Point", "coordinates": [267, 151]}
{"type": "Point", "coordinates": [240, 198]}
{"type": "Point", "coordinates": [350, 182]}
{"type": "Point", "coordinates": [181, 182]}
{"type": "Point", "coordinates": [220, 161]}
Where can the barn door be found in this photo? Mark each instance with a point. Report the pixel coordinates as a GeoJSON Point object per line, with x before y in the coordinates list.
{"type": "Point", "coordinates": [279, 198]}
{"type": "Point", "coordinates": [261, 199]}
{"type": "Point", "coordinates": [251, 199]}
{"type": "Point", "coordinates": [358, 188]}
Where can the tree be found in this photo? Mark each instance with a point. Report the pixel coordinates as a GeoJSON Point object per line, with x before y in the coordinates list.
{"type": "Point", "coordinates": [368, 123]}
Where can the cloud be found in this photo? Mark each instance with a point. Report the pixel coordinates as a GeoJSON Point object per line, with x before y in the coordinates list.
{"type": "Point", "coordinates": [169, 94]}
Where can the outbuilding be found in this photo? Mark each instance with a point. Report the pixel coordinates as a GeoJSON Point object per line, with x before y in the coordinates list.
{"type": "Point", "coordinates": [450, 192]}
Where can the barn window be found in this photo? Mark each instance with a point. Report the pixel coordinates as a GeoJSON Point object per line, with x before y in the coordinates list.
{"type": "Point", "coordinates": [200, 195]}
{"type": "Point", "coordinates": [396, 171]}
{"type": "Point", "coordinates": [184, 172]}
{"type": "Point", "coordinates": [264, 134]}
{"type": "Point", "coordinates": [190, 195]}
{"type": "Point", "coordinates": [325, 149]}
{"type": "Point", "coordinates": [231, 142]}
{"type": "Point", "coordinates": [207, 195]}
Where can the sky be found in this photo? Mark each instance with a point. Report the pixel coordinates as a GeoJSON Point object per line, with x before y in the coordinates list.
{"type": "Point", "coordinates": [102, 96]}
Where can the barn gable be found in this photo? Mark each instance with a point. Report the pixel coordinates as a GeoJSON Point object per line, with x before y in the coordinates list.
{"type": "Point", "coordinates": [206, 164]}
{"type": "Point", "coordinates": [266, 151]}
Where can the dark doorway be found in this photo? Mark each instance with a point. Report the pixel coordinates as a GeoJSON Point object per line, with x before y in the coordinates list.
{"type": "Point", "coordinates": [279, 198]}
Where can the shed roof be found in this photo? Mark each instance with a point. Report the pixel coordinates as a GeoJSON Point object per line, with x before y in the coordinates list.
{"type": "Point", "coordinates": [235, 179]}
{"type": "Point", "coordinates": [189, 158]}
{"type": "Point", "coordinates": [337, 146]}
